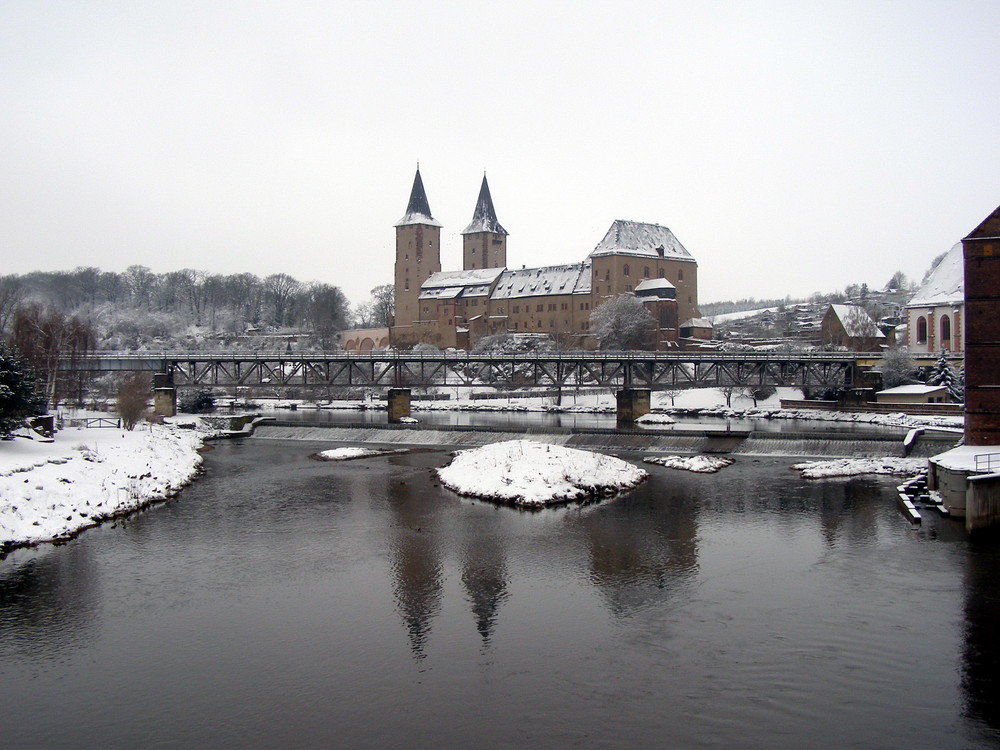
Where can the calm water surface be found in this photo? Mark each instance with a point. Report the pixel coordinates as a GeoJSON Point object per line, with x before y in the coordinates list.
{"type": "Point", "coordinates": [284, 602]}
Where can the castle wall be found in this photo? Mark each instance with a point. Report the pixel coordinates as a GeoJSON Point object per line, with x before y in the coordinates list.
{"type": "Point", "coordinates": [617, 274]}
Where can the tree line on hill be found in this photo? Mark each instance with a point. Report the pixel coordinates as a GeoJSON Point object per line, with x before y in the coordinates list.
{"type": "Point", "coordinates": [137, 308]}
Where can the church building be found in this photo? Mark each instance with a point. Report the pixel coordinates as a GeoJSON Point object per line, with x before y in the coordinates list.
{"type": "Point", "coordinates": [457, 308]}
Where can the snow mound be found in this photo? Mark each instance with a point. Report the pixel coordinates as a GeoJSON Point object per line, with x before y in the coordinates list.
{"type": "Point", "coordinates": [852, 467]}
{"type": "Point", "coordinates": [656, 419]}
{"type": "Point", "coordinates": [698, 464]}
{"type": "Point", "coordinates": [526, 473]}
{"type": "Point", "coordinates": [347, 454]}
{"type": "Point", "coordinates": [52, 491]}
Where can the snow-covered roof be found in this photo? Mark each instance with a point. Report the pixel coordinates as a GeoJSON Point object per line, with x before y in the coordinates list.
{"type": "Point", "coordinates": [647, 284]}
{"type": "Point", "coordinates": [911, 390]}
{"type": "Point", "coordinates": [639, 238]}
{"type": "Point", "coordinates": [856, 321]}
{"type": "Point", "coordinates": [697, 323]}
{"type": "Point", "coordinates": [474, 282]}
{"type": "Point", "coordinates": [484, 218]}
{"type": "Point", "coordinates": [418, 210]}
{"type": "Point", "coordinates": [946, 283]}
{"type": "Point", "coordinates": [573, 278]}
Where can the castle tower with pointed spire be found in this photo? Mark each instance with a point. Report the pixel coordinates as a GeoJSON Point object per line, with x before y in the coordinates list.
{"type": "Point", "coordinates": [418, 253]}
{"type": "Point", "coordinates": [484, 241]}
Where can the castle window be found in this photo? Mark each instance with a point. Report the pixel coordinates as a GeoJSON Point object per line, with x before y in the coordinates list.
{"type": "Point", "coordinates": [539, 324]}
{"type": "Point", "coordinates": [607, 275]}
{"type": "Point", "coordinates": [628, 287]}
{"type": "Point", "coordinates": [663, 274]}
{"type": "Point", "coordinates": [539, 308]}
{"type": "Point", "coordinates": [517, 308]}
{"type": "Point", "coordinates": [645, 272]}
{"type": "Point", "coordinates": [921, 330]}
{"type": "Point", "coordinates": [680, 275]}
{"type": "Point", "coordinates": [945, 332]}
{"type": "Point", "coordinates": [625, 270]}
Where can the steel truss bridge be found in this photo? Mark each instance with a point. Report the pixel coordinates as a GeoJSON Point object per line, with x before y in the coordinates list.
{"type": "Point", "coordinates": [378, 370]}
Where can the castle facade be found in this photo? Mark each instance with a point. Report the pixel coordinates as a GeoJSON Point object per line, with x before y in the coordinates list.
{"type": "Point", "coordinates": [485, 297]}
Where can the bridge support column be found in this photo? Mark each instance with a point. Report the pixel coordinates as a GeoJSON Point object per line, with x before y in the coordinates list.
{"type": "Point", "coordinates": [398, 404]}
{"type": "Point", "coordinates": [164, 394]}
{"type": "Point", "coordinates": [632, 404]}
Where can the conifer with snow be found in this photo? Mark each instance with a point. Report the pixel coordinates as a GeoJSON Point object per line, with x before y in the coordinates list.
{"type": "Point", "coordinates": [943, 374]}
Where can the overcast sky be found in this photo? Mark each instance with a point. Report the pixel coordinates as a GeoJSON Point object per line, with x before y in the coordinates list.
{"type": "Point", "coordinates": [792, 147]}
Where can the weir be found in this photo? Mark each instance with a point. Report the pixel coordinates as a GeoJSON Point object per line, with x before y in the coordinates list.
{"type": "Point", "coordinates": [818, 445]}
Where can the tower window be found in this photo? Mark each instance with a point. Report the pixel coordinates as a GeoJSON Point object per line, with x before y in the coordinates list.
{"type": "Point", "coordinates": [625, 270]}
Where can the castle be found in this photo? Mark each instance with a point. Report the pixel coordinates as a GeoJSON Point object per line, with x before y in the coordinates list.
{"type": "Point", "coordinates": [457, 308]}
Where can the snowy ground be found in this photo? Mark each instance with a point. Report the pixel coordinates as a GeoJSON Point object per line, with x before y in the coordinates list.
{"type": "Point", "coordinates": [697, 464]}
{"type": "Point", "coordinates": [51, 490]}
{"type": "Point", "coordinates": [851, 467]}
{"type": "Point", "coordinates": [522, 472]}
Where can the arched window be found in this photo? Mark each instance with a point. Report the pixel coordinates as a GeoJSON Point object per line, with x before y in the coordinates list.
{"type": "Point", "coordinates": [625, 270]}
{"type": "Point", "coordinates": [945, 332]}
{"type": "Point", "coordinates": [921, 330]}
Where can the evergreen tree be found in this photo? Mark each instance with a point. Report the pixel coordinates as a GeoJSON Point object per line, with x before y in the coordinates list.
{"type": "Point", "coordinates": [20, 391]}
{"type": "Point", "coordinates": [943, 374]}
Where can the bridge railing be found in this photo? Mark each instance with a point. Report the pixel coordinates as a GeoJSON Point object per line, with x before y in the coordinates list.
{"type": "Point", "coordinates": [383, 356]}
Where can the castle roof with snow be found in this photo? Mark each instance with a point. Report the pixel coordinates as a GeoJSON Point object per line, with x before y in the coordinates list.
{"type": "Point", "coordinates": [484, 218]}
{"type": "Point", "coordinates": [639, 238]}
{"type": "Point", "coordinates": [418, 210]}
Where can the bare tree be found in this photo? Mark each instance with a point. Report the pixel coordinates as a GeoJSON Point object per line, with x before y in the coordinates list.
{"type": "Point", "coordinates": [672, 394]}
{"type": "Point", "coordinates": [727, 392]}
{"type": "Point", "coordinates": [42, 336]}
{"type": "Point", "coordinates": [133, 398]}
{"type": "Point", "coordinates": [622, 322]}
{"type": "Point", "coordinates": [278, 290]}
{"type": "Point", "coordinates": [11, 294]}
{"type": "Point", "coordinates": [757, 393]}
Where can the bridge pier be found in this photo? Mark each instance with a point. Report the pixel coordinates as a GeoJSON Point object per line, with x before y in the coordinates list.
{"type": "Point", "coordinates": [164, 394]}
{"type": "Point", "coordinates": [398, 404]}
{"type": "Point", "coordinates": [632, 404]}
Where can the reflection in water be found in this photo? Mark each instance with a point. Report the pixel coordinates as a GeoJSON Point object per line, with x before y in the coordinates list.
{"type": "Point", "coordinates": [484, 577]}
{"type": "Point", "coordinates": [44, 594]}
{"type": "Point", "coordinates": [640, 555]}
{"type": "Point", "coordinates": [416, 564]}
{"type": "Point", "coordinates": [284, 602]}
{"type": "Point", "coordinates": [981, 650]}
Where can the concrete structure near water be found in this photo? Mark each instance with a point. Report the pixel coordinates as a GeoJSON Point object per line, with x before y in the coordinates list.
{"type": "Point", "coordinates": [968, 477]}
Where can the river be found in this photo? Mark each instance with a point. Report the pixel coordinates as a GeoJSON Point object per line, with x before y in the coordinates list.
{"type": "Point", "coordinates": [285, 602]}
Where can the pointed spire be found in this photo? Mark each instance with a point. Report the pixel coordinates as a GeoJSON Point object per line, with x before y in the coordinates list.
{"type": "Point", "coordinates": [484, 218]}
{"type": "Point", "coordinates": [418, 210]}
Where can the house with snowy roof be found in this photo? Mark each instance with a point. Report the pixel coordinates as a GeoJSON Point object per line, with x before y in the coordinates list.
{"type": "Point", "coordinates": [851, 326]}
{"type": "Point", "coordinates": [935, 314]}
{"type": "Point", "coordinates": [456, 308]}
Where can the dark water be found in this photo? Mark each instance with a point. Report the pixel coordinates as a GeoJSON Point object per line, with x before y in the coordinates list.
{"type": "Point", "coordinates": [283, 602]}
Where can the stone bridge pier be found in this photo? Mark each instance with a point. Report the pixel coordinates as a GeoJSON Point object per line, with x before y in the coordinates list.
{"type": "Point", "coordinates": [164, 394]}
{"type": "Point", "coordinates": [398, 404]}
{"type": "Point", "coordinates": [632, 404]}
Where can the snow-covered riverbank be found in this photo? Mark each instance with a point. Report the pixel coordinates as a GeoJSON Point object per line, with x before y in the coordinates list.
{"type": "Point", "coordinates": [52, 490]}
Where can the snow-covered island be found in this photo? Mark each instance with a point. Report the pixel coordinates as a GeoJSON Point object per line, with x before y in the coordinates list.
{"type": "Point", "coordinates": [349, 453]}
{"type": "Point", "coordinates": [852, 467]}
{"type": "Point", "coordinates": [697, 464]}
{"type": "Point", "coordinates": [50, 491]}
{"type": "Point", "coordinates": [531, 474]}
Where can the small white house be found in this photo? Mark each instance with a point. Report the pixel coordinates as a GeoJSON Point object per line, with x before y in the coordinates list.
{"type": "Point", "coordinates": [914, 394]}
{"type": "Point", "coordinates": [935, 315]}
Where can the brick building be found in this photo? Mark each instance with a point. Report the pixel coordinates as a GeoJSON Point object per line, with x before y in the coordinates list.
{"type": "Point", "coordinates": [981, 251]}
{"type": "Point", "coordinates": [456, 308]}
